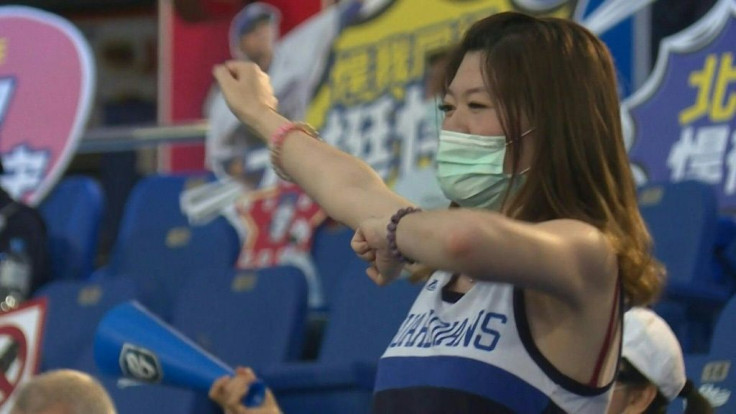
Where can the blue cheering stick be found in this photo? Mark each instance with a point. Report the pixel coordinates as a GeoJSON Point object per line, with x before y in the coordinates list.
{"type": "Point", "coordinates": [132, 343]}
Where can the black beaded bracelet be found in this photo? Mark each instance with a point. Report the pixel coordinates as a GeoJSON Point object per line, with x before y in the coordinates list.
{"type": "Point", "coordinates": [391, 235]}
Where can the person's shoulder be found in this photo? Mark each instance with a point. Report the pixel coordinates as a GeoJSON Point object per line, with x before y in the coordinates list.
{"type": "Point", "coordinates": [591, 245]}
{"type": "Point", "coordinates": [574, 229]}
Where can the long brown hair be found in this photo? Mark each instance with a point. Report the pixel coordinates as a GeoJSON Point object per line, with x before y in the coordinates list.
{"type": "Point", "coordinates": [560, 78]}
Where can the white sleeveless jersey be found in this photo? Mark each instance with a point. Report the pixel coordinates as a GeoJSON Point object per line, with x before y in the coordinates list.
{"type": "Point", "coordinates": [475, 355]}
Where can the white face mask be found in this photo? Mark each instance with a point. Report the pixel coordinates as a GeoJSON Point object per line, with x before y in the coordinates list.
{"type": "Point", "coordinates": [470, 169]}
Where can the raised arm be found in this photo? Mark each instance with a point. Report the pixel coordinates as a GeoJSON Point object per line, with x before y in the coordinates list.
{"type": "Point", "coordinates": [345, 186]}
{"type": "Point", "coordinates": [564, 258]}
{"type": "Point", "coordinates": [567, 259]}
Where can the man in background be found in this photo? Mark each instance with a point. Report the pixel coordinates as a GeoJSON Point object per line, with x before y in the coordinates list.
{"type": "Point", "coordinates": [63, 392]}
{"type": "Point", "coordinates": [24, 264]}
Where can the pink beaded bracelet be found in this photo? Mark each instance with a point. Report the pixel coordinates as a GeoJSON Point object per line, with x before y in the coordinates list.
{"type": "Point", "coordinates": [277, 141]}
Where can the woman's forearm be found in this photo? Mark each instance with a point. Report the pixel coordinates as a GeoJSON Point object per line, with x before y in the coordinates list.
{"type": "Point", "coordinates": [565, 258]}
{"type": "Point", "coordinates": [347, 188]}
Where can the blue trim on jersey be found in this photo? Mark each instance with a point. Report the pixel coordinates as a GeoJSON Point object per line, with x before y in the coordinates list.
{"type": "Point", "coordinates": [462, 374]}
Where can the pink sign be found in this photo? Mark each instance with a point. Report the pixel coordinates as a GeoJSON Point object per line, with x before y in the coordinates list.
{"type": "Point", "coordinates": [46, 85]}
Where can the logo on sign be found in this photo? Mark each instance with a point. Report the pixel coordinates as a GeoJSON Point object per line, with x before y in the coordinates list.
{"type": "Point", "coordinates": [716, 396]}
{"type": "Point", "coordinates": [716, 371]}
{"type": "Point", "coordinates": [38, 135]}
{"type": "Point", "coordinates": [691, 95]}
{"type": "Point", "coordinates": [140, 364]}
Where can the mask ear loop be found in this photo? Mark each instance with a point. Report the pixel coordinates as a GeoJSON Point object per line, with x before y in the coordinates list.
{"type": "Point", "coordinates": [528, 131]}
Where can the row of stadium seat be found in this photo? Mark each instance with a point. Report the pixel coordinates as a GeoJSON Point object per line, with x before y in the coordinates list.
{"type": "Point", "coordinates": [159, 251]}
{"type": "Point", "coordinates": [258, 319]}
{"type": "Point", "coordinates": [156, 245]}
{"type": "Point", "coordinates": [697, 246]}
{"type": "Point", "coordinates": [245, 318]}
{"type": "Point", "coordinates": [712, 372]}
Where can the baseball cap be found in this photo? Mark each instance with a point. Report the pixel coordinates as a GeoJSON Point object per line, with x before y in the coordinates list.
{"type": "Point", "coordinates": [652, 348]}
{"type": "Point", "coordinates": [247, 19]}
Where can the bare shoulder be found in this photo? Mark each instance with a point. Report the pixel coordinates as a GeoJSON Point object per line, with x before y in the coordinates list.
{"type": "Point", "coordinates": [570, 226]}
{"type": "Point", "coordinates": [589, 248]}
{"type": "Point", "coordinates": [578, 234]}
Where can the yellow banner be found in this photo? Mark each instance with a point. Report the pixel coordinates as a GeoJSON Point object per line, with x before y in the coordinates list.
{"type": "Point", "coordinates": [374, 102]}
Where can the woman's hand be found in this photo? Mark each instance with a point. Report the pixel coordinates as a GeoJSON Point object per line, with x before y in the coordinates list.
{"type": "Point", "coordinates": [228, 392]}
{"type": "Point", "coordinates": [247, 90]}
{"type": "Point", "coordinates": [370, 244]}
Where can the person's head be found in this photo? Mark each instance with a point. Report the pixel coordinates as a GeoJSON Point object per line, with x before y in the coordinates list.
{"type": "Point", "coordinates": [546, 88]}
{"type": "Point", "coordinates": [253, 33]}
{"type": "Point", "coordinates": [652, 369]}
{"type": "Point", "coordinates": [62, 392]}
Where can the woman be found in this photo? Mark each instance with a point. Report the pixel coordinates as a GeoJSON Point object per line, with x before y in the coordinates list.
{"type": "Point", "coordinates": [525, 314]}
{"type": "Point", "coordinates": [652, 369]}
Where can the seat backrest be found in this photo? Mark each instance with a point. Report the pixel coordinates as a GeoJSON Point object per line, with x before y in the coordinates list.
{"type": "Point", "coordinates": [74, 310]}
{"type": "Point", "coordinates": [253, 318]}
{"type": "Point", "coordinates": [364, 317]}
{"type": "Point", "coordinates": [72, 213]}
{"type": "Point", "coordinates": [682, 218]}
{"type": "Point", "coordinates": [714, 373]}
{"type": "Point", "coordinates": [159, 249]}
{"type": "Point", "coordinates": [331, 253]}
{"type": "Point", "coordinates": [724, 261]}
{"type": "Point", "coordinates": [714, 376]}
{"type": "Point", "coordinates": [724, 332]}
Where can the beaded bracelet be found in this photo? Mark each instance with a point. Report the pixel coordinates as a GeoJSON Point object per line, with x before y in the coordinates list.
{"type": "Point", "coordinates": [277, 141]}
{"type": "Point", "coordinates": [391, 235]}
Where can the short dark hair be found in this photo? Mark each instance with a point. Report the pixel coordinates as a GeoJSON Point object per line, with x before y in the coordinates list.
{"type": "Point", "coordinates": [256, 21]}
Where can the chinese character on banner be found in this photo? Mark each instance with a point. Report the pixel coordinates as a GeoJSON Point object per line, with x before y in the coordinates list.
{"type": "Point", "coordinates": [21, 332]}
{"type": "Point", "coordinates": [683, 120]}
{"type": "Point", "coordinates": [699, 155]}
{"type": "Point", "coordinates": [370, 89]}
{"type": "Point", "coordinates": [42, 111]}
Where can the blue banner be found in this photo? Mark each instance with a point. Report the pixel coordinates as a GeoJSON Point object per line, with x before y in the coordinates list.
{"type": "Point", "coordinates": [681, 124]}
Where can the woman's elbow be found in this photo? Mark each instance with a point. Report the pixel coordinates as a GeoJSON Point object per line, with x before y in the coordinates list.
{"type": "Point", "coordinates": [461, 241]}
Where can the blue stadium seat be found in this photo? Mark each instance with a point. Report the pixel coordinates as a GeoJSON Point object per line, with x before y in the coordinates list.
{"type": "Point", "coordinates": [331, 253]}
{"type": "Point", "coordinates": [725, 252]}
{"type": "Point", "coordinates": [683, 220]}
{"type": "Point", "coordinates": [253, 318]}
{"type": "Point", "coordinates": [363, 319]}
{"type": "Point", "coordinates": [250, 318]}
{"type": "Point", "coordinates": [74, 310]}
{"type": "Point", "coordinates": [365, 316]}
{"type": "Point", "coordinates": [72, 213]}
{"type": "Point", "coordinates": [713, 373]}
{"type": "Point", "coordinates": [160, 250]}
{"type": "Point", "coordinates": [724, 333]}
